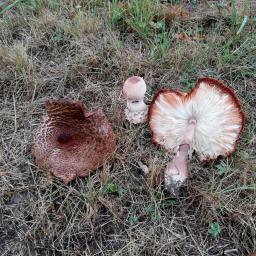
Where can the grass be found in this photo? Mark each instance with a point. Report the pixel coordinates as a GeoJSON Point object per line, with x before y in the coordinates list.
{"type": "Point", "coordinates": [85, 50]}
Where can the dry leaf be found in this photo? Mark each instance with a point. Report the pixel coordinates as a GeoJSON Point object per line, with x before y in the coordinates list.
{"type": "Point", "coordinates": [190, 39]}
{"type": "Point", "coordinates": [199, 37]}
{"type": "Point", "coordinates": [171, 12]}
{"type": "Point", "coordinates": [3, 173]}
{"type": "Point", "coordinates": [183, 37]}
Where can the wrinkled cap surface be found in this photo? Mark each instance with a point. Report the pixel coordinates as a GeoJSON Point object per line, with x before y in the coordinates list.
{"type": "Point", "coordinates": [218, 115]}
{"type": "Point", "coordinates": [71, 142]}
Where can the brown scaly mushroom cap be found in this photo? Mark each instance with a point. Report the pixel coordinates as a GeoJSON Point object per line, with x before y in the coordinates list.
{"type": "Point", "coordinates": [71, 142]}
{"type": "Point", "coordinates": [211, 105]}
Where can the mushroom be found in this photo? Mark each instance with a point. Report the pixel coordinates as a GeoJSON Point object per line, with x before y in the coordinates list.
{"type": "Point", "coordinates": [207, 120]}
{"type": "Point", "coordinates": [134, 90]}
{"type": "Point", "coordinates": [71, 142]}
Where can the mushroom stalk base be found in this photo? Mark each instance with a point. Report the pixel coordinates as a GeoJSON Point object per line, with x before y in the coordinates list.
{"type": "Point", "coordinates": [136, 111]}
{"type": "Point", "coordinates": [177, 171]}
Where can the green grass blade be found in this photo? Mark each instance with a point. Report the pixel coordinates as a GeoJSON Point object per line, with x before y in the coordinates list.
{"type": "Point", "coordinates": [245, 20]}
{"type": "Point", "coordinates": [10, 6]}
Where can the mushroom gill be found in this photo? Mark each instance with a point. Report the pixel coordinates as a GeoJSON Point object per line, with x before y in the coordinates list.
{"type": "Point", "coordinates": [207, 120]}
{"type": "Point", "coordinates": [215, 109]}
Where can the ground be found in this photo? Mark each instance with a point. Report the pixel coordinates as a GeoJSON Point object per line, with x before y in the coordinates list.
{"type": "Point", "coordinates": [84, 50]}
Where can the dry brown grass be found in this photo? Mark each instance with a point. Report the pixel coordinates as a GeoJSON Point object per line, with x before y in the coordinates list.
{"type": "Point", "coordinates": [60, 53]}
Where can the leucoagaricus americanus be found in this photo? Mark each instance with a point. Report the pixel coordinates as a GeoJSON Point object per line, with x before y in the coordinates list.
{"type": "Point", "coordinates": [134, 90]}
{"type": "Point", "coordinates": [207, 120]}
{"type": "Point", "coordinates": [71, 142]}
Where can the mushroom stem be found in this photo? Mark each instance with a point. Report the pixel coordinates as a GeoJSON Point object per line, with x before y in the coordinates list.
{"type": "Point", "coordinates": [134, 90]}
{"type": "Point", "coordinates": [177, 171]}
{"type": "Point", "coordinates": [136, 111]}
{"type": "Point", "coordinates": [134, 105]}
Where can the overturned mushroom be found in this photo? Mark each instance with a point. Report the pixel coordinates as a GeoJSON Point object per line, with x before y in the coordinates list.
{"type": "Point", "coordinates": [208, 120]}
{"type": "Point", "coordinates": [134, 89]}
{"type": "Point", "coordinates": [71, 142]}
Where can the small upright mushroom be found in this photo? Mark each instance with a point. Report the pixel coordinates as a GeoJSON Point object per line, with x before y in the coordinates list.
{"type": "Point", "coordinates": [207, 120]}
{"type": "Point", "coordinates": [71, 142]}
{"type": "Point", "coordinates": [134, 90]}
